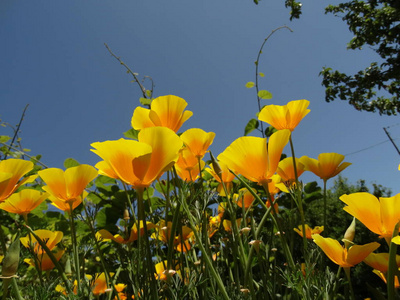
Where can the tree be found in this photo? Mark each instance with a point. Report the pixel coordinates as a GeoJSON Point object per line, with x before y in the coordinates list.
{"type": "Point", "coordinates": [374, 23]}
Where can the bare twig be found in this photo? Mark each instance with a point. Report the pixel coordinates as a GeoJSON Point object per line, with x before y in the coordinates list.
{"type": "Point", "coordinates": [17, 129]}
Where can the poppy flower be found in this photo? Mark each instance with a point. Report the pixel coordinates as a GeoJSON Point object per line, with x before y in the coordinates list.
{"type": "Point", "coordinates": [23, 202]}
{"type": "Point", "coordinates": [44, 261]}
{"type": "Point", "coordinates": [139, 163]}
{"type": "Point", "coordinates": [99, 283]}
{"type": "Point", "coordinates": [244, 198]}
{"type": "Point", "coordinates": [224, 176]}
{"type": "Point", "coordinates": [253, 158]}
{"type": "Point", "coordinates": [166, 111]}
{"type": "Point", "coordinates": [51, 238]}
{"type": "Point", "coordinates": [182, 242]}
{"type": "Point", "coordinates": [197, 140]}
{"type": "Point", "coordinates": [66, 188]}
{"type": "Point", "coordinates": [11, 171]}
{"type": "Point", "coordinates": [327, 166]}
{"type": "Point", "coordinates": [378, 215]}
{"type": "Point", "coordinates": [286, 170]}
{"type": "Point", "coordinates": [380, 261]}
{"type": "Point", "coordinates": [285, 116]}
{"type": "Point", "coordinates": [309, 231]}
{"type": "Point", "coordinates": [341, 256]}
{"type": "Point", "coordinates": [133, 236]}
{"type": "Point", "coordinates": [162, 272]}
{"type": "Point", "coordinates": [187, 165]}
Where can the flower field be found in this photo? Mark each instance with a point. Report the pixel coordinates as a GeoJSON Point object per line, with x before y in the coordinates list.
{"type": "Point", "coordinates": [160, 217]}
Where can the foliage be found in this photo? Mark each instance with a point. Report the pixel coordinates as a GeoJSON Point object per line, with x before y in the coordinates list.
{"type": "Point", "coordinates": [374, 23]}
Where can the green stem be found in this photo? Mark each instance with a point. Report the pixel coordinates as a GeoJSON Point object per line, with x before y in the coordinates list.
{"type": "Point", "coordinates": [325, 204]}
{"type": "Point", "coordinates": [75, 249]}
{"type": "Point", "coordinates": [392, 265]}
{"type": "Point", "coordinates": [347, 271]}
{"type": "Point", "coordinates": [150, 265]}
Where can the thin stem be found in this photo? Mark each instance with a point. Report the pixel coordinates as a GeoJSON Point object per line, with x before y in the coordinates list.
{"type": "Point", "coordinates": [75, 249]}
{"type": "Point", "coordinates": [392, 265]}
{"type": "Point", "coordinates": [325, 204]}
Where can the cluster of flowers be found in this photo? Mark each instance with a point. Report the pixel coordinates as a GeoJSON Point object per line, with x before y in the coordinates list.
{"type": "Point", "coordinates": [139, 163]}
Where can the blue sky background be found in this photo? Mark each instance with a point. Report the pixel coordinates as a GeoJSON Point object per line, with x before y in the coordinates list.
{"type": "Point", "coordinates": [53, 57]}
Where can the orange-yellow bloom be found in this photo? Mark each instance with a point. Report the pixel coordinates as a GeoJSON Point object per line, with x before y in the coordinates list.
{"type": "Point", "coordinates": [99, 284]}
{"type": "Point", "coordinates": [23, 202]}
{"type": "Point", "coordinates": [51, 238]}
{"type": "Point", "coordinates": [182, 242]}
{"type": "Point", "coordinates": [383, 277]}
{"type": "Point", "coordinates": [44, 261]}
{"type": "Point", "coordinates": [161, 271]}
{"type": "Point", "coordinates": [341, 256]}
{"type": "Point", "coordinates": [379, 216]}
{"type": "Point", "coordinates": [309, 231]}
{"type": "Point", "coordinates": [380, 261]}
{"type": "Point", "coordinates": [244, 198]}
{"type": "Point", "coordinates": [226, 177]}
{"type": "Point", "coordinates": [133, 236]}
{"type": "Point", "coordinates": [286, 169]}
{"type": "Point", "coordinates": [139, 163]}
{"type": "Point", "coordinates": [197, 140]}
{"type": "Point", "coordinates": [285, 116]}
{"type": "Point", "coordinates": [187, 166]}
{"type": "Point", "coordinates": [327, 166]}
{"type": "Point", "coordinates": [66, 188]}
{"type": "Point", "coordinates": [166, 111]}
{"type": "Point", "coordinates": [11, 171]}
{"type": "Point", "coordinates": [253, 158]}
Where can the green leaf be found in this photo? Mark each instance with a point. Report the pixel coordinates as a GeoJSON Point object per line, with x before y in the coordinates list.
{"type": "Point", "coordinates": [4, 138]}
{"type": "Point", "coordinates": [145, 101]}
{"type": "Point", "coordinates": [269, 131]}
{"type": "Point", "coordinates": [263, 94]}
{"type": "Point", "coordinates": [251, 125]}
{"type": "Point", "coordinates": [131, 134]}
{"type": "Point", "coordinates": [70, 162]}
{"type": "Point", "coordinates": [250, 84]}
{"type": "Point", "coordinates": [148, 93]}
{"type": "Point", "coordinates": [261, 74]}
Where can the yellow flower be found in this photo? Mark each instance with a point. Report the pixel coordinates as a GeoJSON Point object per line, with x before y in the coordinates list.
{"type": "Point", "coordinates": [379, 216]}
{"type": "Point", "coordinates": [187, 166]}
{"type": "Point", "coordinates": [383, 277]}
{"type": "Point", "coordinates": [139, 163]}
{"type": "Point", "coordinates": [182, 242]}
{"type": "Point", "coordinates": [66, 188]}
{"type": "Point", "coordinates": [45, 262]}
{"type": "Point", "coordinates": [166, 111]}
{"type": "Point", "coordinates": [253, 158]}
{"type": "Point", "coordinates": [11, 171]}
{"type": "Point", "coordinates": [380, 261]}
{"type": "Point", "coordinates": [244, 198]}
{"type": "Point", "coordinates": [309, 230]}
{"type": "Point", "coordinates": [341, 256]}
{"type": "Point", "coordinates": [99, 284]}
{"type": "Point", "coordinates": [227, 224]}
{"type": "Point", "coordinates": [23, 202]}
{"type": "Point", "coordinates": [226, 175]}
{"type": "Point", "coordinates": [286, 170]}
{"type": "Point", "coordinates": [133, 236]}
{"type": "Point", "coordinates": [327, 166]}
{"type": "Point", "coordinates": [51, 238]}
{"type": "Point", "coordinates": [162, 272]}
{"type": "Point", "coordinates": [197, 140]}
{"type": "Point", "coordinates": [285, 116]}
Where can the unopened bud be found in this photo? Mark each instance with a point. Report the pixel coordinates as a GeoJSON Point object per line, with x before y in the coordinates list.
{"type": "Point", "coordinates": [256, 244]}
{"type": "Point", "coordinates": [216, 166]}
{"type": "Point", "coordinates": [350, 232]}
{"type": "Point", "coordinates": [11, 260]}
{"type": "Point", "coordinates": [126, 215]}
{"type": "Point", "coordinates": [245, 230]}
{"type": "Point", "coordinates": [245, 291]}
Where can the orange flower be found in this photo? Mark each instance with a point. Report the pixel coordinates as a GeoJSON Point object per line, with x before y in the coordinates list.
{"type": "Point", "coordinates": [161, 271]}
{"type": "Point", "coordinates": [253, 158]}
{"type": "Point", "coordinates": [226, 175]}
{"type": "Point", "coordinates": [166, 111]}
{"type": "Point", "coordinates": [51, 238]}
{"type": "Point", "coordinates": [380, 261]}
{"type": "Point", "coordinates": [327, 166]}
{"type": "Point", "coordinates": [139, 163]}
{"type": "Point", "coordinates": [227, 224]}
{"type": "Point", "coordinates": [66, 189]}
{"type": "Point", "coordinates": [379, 216]}
{"type": "Point", "coordinates": [45, 262]}
{"type": "Point", "coordinates": [309, 230]}
{"type": "Point", "coordinates": [244, 198]}
{"type": "Point", "coordinates": [383, 277]}
{"type": "Point", "coordinates": [341, 256]}
{"type": "Point", "coordinates": [286, 170]}
{"type": "Point", "coordinates": [197, 140]}
{"type": "Point", "coordinates": [187, 166]}
{"type": "Point", "coordinates": [182, 242]}
{"type": "Point", "coordinates": [133, 236]}
{"type": "Point", "coordinates": [99, 284]}
{"type": "Point", "coordinates": [285, 116]}
{"type": "Point", "coordinates": [23, 202]}
{"type": "Point", "coordinates": [11, 171]}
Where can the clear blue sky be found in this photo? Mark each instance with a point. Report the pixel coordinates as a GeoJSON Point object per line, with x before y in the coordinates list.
{"type": "Point", "coordinates": [53, 57]}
